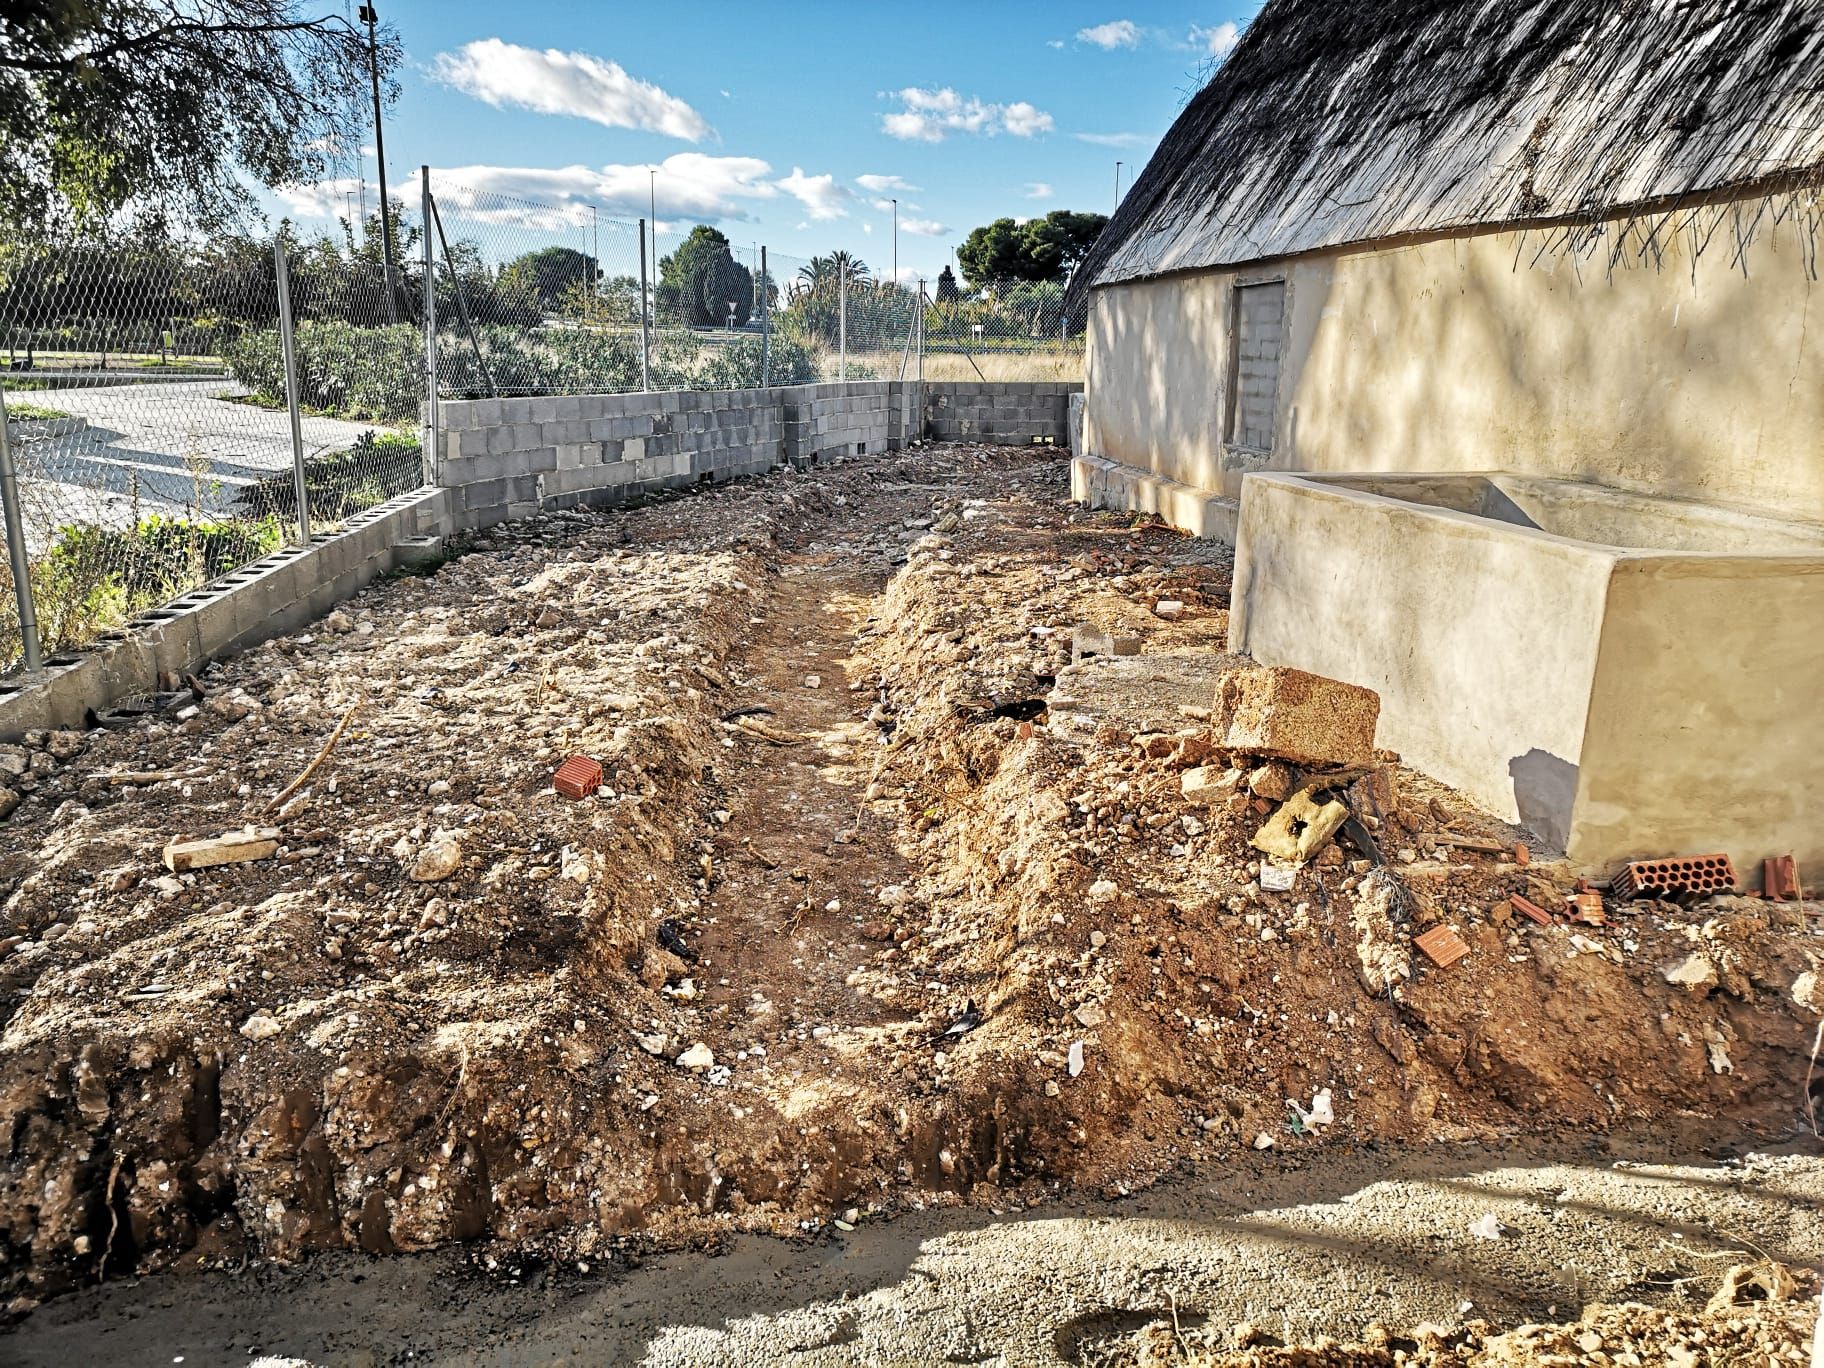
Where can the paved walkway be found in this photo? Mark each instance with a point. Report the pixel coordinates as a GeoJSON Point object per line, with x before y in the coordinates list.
{"type": "Point", "coordinates": [162, 447]}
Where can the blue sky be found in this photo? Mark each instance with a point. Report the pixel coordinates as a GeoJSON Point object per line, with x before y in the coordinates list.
{"type": "Point", "coordinates": [791, 124]}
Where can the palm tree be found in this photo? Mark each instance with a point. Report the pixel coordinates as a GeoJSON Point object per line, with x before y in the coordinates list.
{"type": "Point", "coordinates": [817, 272]}
{"type": "Point", "coordinates": [854, 268]}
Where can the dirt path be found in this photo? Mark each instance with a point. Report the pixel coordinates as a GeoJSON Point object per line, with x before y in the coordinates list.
{"type": "Point", "coordinates": [792, 884]}
{"type": "Point", "coordinates": [1331, 1246]}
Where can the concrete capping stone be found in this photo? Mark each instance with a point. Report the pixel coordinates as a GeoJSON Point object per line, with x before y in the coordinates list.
{"type": "Point", "coordinates": [1102, 483]}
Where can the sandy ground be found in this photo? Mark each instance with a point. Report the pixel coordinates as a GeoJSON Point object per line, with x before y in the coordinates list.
{"type": "Point", "coordinates": [894, 903]}
{"type": "Point", "coordinates": [1278, 1251]}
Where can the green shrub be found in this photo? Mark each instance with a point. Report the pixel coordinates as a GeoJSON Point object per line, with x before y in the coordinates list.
{"type": "Point", "coordinates": [379, 466]}
{"type": "Point", "coordinates": [32, 413]}
{"type": "Point", "coordinates": [94, 578]}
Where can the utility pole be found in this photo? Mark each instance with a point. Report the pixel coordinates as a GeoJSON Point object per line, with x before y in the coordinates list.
{"type": "Point", "coordinates": [370, 18]}
{"type": "Point", "coordinates": [1117, 185]}
{"type": "Point", "coordinates": [652, 212]}
{"type": "Point", "coordinates": [896, 244]}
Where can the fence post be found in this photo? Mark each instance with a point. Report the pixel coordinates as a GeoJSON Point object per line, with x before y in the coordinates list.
{"type": "Point", "coordinates": [842, 321]}
{"type": "Point", "coordinates": [766, 327]}
{"type": "Point", "coordinates": [430, 331]}
{"type": "Point", "coordinates": [645, 327]}
{"type": "Point", "coordinates": [15, 549]}
{"type": "Point", "coordinates": [288, 349]}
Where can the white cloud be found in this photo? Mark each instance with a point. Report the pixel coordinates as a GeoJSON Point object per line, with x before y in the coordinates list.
{"type": "Point", "coordinates": [821, 195]}
{"type": "Point", "coordinates": [690, 185]}
{"type": "Point", "coordinates": [1038, 190]}
{"type": "Point", "coordinates": [1218, 41]}
{"type": "Point", "coordinates": [1023, 120]}
{"type": "Point", "coordinates": [930, 115]}
{"type": "Point", "coordinates": [328, 199]}
{"type": "Point", "coordinates": [881, 184]}
{"type": "Point", "coordinates": [573, 83]}
{"type": "Point", "coordinates": [1112, 139]}
{"type": "Point", "coordinates": [1054, 43]}
{"type": "Point", "coordinates": [1117, 33]}
{"type": "Point", "coordinates": [923, 227]}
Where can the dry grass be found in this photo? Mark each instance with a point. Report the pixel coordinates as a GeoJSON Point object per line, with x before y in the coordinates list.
{"type": "Point", "coordinates": [1052, 363]}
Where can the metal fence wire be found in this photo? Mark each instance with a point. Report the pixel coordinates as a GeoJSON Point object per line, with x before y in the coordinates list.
{"type": "Point", "coordinates": [161, 432]}
{"type": "Point", "coordinates": [151, 451]}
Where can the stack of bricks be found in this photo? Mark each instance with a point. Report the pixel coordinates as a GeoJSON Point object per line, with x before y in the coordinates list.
{"type": "Point", "coordinates": [1019, 413]}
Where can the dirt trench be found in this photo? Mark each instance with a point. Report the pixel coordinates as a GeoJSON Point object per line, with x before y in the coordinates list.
{"type": "Point", "coordinates": [889, 901]}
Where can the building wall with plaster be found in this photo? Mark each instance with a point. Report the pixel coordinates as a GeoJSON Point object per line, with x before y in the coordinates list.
{"type": "Point", "coordinates": [1696, 375]}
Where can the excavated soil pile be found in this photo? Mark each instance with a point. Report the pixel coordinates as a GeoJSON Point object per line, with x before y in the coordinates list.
{"type": "Point", "coordinates": [891, 895]}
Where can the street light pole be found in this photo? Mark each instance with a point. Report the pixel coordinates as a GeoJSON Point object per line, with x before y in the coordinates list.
{"type": "Point", "coordinates": [370, 17]}
{"type": "Point", "coordinates": [896, 244]}
{"type": "Point", "coordinates": [652, 211]}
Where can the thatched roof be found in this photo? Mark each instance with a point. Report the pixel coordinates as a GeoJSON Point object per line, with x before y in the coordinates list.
{"type": "Point", "coordinates": [1348, 121]}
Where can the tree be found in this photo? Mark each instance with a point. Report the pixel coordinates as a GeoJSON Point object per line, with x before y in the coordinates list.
{"type": "Point", "coordinates": [1056, 243]}
{"type": "Point", "coordinates": [697, 281]}
{"type": "Point", "coordinates": [553, 273]}
{"type": "Point", "coordinates": [841, 264]}
{"type": "Point", "coordinates": [947, 293]}
{"type": "Point", "coordinates": [166, 107]}
{"type": "Point", "coordinates": [991, 252]}
{"type": "Point", "coordinates": [1039, 249]}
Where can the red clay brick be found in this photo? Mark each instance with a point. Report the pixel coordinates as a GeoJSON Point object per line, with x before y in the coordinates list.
{"type": "Point", "coordinates": [578, 777]}
{"type": "Point", "coordinates": [1695, 876]}
{"type": "Point", "coordinates": [1442, 946]}
{"type": "Point", "coordinates": [1586, 907]}
{"type": "Point", "coordinates": [1526, 907]}
{"type": "Point", "coordinates": [1780, 878]}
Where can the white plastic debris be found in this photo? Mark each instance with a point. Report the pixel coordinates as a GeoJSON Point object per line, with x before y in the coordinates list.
{"type": "Point", "coordinates": [1263, 1141]}
{"type": "Point", "coordinates": [1487, 1227]}
{"type": "Point", "coordinates": [1278, 878]}
{"type": "Point", "coordinates": [1322, 1111]}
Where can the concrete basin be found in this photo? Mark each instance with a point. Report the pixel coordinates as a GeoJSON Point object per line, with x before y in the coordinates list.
{"type": "Point", "coordinates": [1628, 675]}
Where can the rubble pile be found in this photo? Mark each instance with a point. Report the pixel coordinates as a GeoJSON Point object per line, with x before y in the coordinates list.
{"type": "Point", "coordinates": [916, 842]}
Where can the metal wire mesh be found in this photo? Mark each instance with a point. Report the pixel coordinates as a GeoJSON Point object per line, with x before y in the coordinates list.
{"type": "Point", "coordinates": [146, 385]}
{"type": "Point", "coordinates": [147, 423]}
{"type": "Point", "coordinates": [1003, 331]}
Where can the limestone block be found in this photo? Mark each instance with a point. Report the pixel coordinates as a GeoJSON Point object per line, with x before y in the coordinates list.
{"type": "Point", "coordinates": [1287, 714]}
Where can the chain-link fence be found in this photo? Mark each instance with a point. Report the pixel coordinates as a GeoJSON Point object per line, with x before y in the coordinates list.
{"type": "Point", "coordinates": [150, 445]}
{"type": "Point", "coordinates": [1006, 330]}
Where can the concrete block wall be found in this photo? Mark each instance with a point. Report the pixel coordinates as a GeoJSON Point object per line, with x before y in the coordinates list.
{"type": "Point", "coordinates": [1012, 412]}
{"type": "Point", "coordinates": [508, 458]}
{"type": "Point", "coordinates": [266, 598]}
{"type": "Point", "coordinates": [501, 459]}
{"type": "Point", "coordinates": [852, 418]}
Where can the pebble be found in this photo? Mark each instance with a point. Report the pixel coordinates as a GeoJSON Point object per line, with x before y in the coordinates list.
{"type": "Point", "coordinates": [699, 1058]}
{"type": "Point", "coordinates": [440, 858]}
